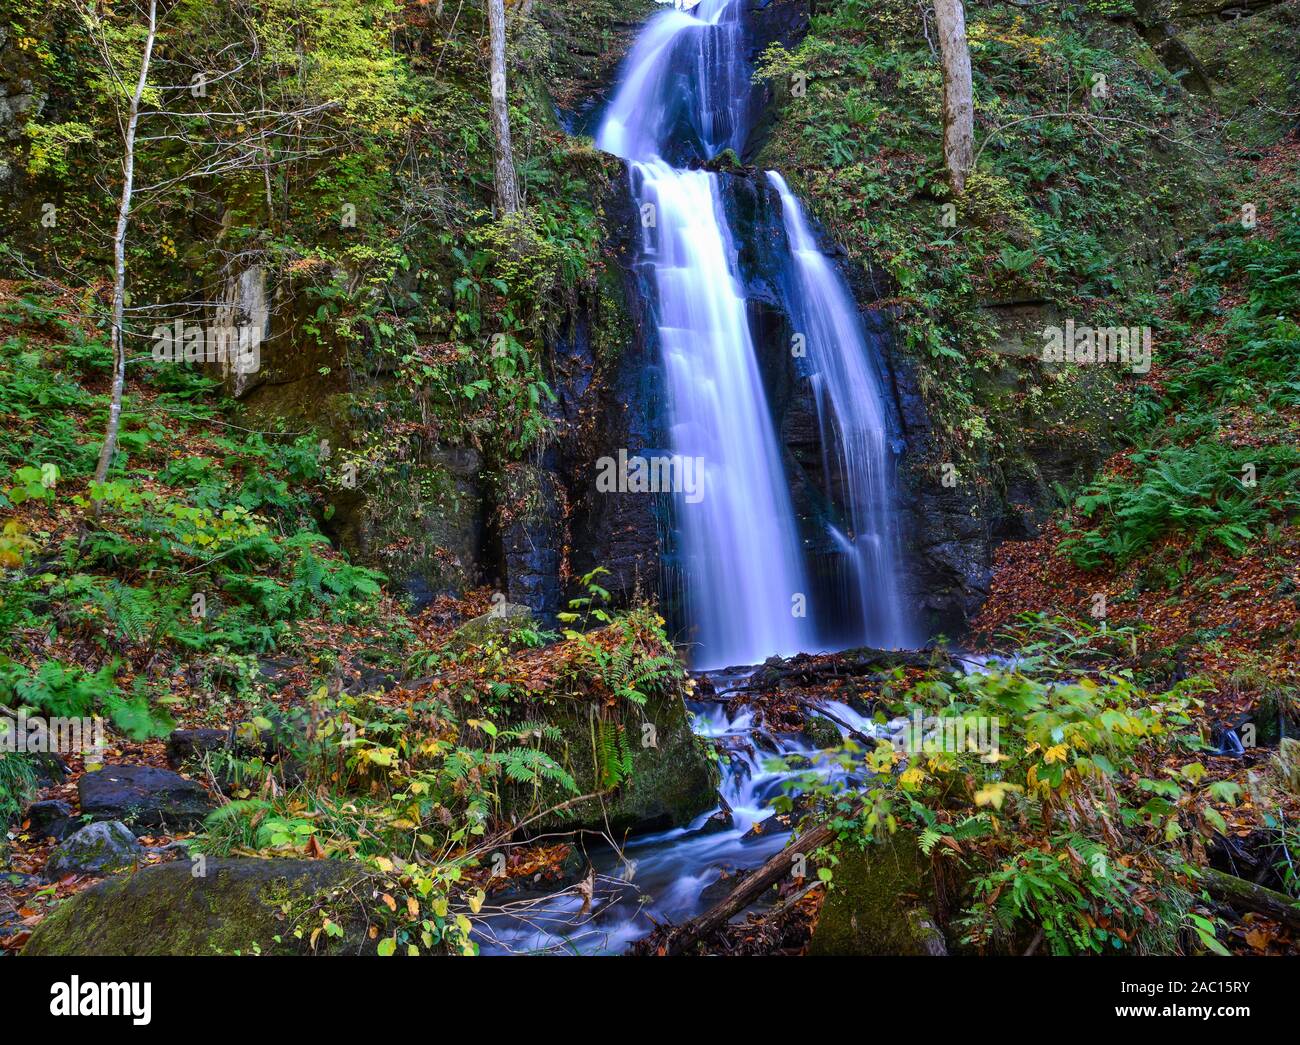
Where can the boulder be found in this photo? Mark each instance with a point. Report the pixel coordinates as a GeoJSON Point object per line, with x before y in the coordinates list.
{"type": "Point", "coordinates": [497, 623]}
{"type": "Point", "coordinates": [185, 745]}
{"type": "Point", "coordinates": [144, 797]}
{"type": "Point", "coordinates": [672, 779]}
{"type": "Point", "coordinates": [878, 904]}
{"type": "Point", "coordinates": [822, 732]}
{"type": "Point", "coordinates": [50, 818]}
{"type": "Point", "coordinates": [98, 849]}
{"type": "Point", "coordinates": [237, 906]}
{"type": "Point", "coordinates": [50, 768]}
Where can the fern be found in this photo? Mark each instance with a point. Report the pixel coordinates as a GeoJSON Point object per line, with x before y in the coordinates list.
{"type": "Point", "coordinates": [612, 752]}
{"type": "Point", "coordinates": [532, 766]}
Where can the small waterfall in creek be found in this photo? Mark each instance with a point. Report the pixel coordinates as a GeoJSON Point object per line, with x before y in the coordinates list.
{"type": "Point", "coordinates": [675, 875]}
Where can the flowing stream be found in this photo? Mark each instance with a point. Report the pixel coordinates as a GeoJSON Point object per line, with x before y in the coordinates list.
{"type": "Point", "coordinates": [684, 98]}
{"type": "Point", "coordinates": [668, 875]}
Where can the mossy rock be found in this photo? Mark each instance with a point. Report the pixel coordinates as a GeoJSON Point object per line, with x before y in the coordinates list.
{"type": "Point", "coordinates": [673, 780]}
{"type": "Point", "coordinates": [879, 904]}
{"type": "Point", "coordinates": [821, 731]}
{"type": "Point", "coordinates": [98, 849]}
{"type": "Point", "coordinates": [497, 624]}
{"type": "Point", "coordinates": [239, 906]}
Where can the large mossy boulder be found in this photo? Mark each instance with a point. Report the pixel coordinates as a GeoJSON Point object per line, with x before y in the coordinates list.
{"type": "Point", "coordinates": [497, 624]}
{"type": "Point", "coordinates": [879, 904]}
{"type": "Point", "coordinates": [239, 906]}
{"type": "Point", "coordinates": [673, 780]}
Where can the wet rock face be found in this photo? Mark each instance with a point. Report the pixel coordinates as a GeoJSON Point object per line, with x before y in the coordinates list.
{"type": "Point", "coordinates": [609, 389]}
{"type": "Point", "coordinates": [949, 540]}
{"type": "Point", "coordinates": [532, 539]}
{"type": "Point", "coordinates": [771, 21]}
{"type": "Point", "coordinates": [144, 797]}
{"type": "Point", "coordinates": [590, 40]}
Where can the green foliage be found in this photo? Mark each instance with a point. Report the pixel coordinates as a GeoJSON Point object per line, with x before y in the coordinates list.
{"type": "Point", "coordinates": [1064, 791]}
{"type": "Point", "coordinates": [59, 690]}
{"type": "Point", "coordinates": [48, 151]}
{"type": "Point", "coordinates": [613, 753]}
{"type": "Point", "coordinates": [17, 783]}
{"type": "Point", "coordinates": [1186, 477]}
{"type": "Point", "coordinates": [641, 659]}
{"type": "Point", "coordinates": [1049, 889]}
{"type": "Point", "coordinates": [1201, 491]}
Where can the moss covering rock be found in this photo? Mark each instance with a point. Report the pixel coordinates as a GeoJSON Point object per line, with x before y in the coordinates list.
{"type": "Point", "coordinates": [879, 904]}
{"type": "Point", "coordinates": [672, 778]}
{"type": "Point", "coordinates": [99, 849]}
{"type": "Point", "coordinates": [237, 906]}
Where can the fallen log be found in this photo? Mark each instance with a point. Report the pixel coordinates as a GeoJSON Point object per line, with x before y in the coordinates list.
{"type": "Point", "coordinates": [811, 669]}
{"type": "Point", "coordinates": [686, 935]}
{"type": "Point", "coordinates": [1258, 898]}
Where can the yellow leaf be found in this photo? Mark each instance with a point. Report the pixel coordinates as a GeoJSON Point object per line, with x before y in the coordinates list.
{"type": "Point", "coordinates": [912, 777]}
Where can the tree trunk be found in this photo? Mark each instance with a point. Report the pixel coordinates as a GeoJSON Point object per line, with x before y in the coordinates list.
{"type": "Point", "coordinates": [1251, 897]}
{"type": "Point", "coordinates": [755, 884]}
{"type": "Point", "coordinates": [507, 187]}
{"type": "Point", "coordinates": [119, 256]}
{"type": "Point", "coordinates": [958, 97]}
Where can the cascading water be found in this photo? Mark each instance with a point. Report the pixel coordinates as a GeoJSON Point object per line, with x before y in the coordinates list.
{"type": "Point", "coordinates": [853, 425]}
{"type": "Point", "coordinates": [684, 98]}
{"type": "Point", "coordinates": [685, 94]}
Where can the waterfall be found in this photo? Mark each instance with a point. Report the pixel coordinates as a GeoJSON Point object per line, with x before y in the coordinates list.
{"type": "Point", "coordinates": [686, 83]}
{"type": "Point", "coordinates": [854, 432]}
{"type": "Point", "coordinates": [684, 97]}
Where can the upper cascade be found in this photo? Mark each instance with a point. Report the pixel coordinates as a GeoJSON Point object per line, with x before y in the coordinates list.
{"type": "Point", "coordinates": [685, 95]}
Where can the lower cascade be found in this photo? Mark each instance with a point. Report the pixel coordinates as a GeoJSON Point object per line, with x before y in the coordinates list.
{"type": "Point", "coordinates": [675, 875]}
